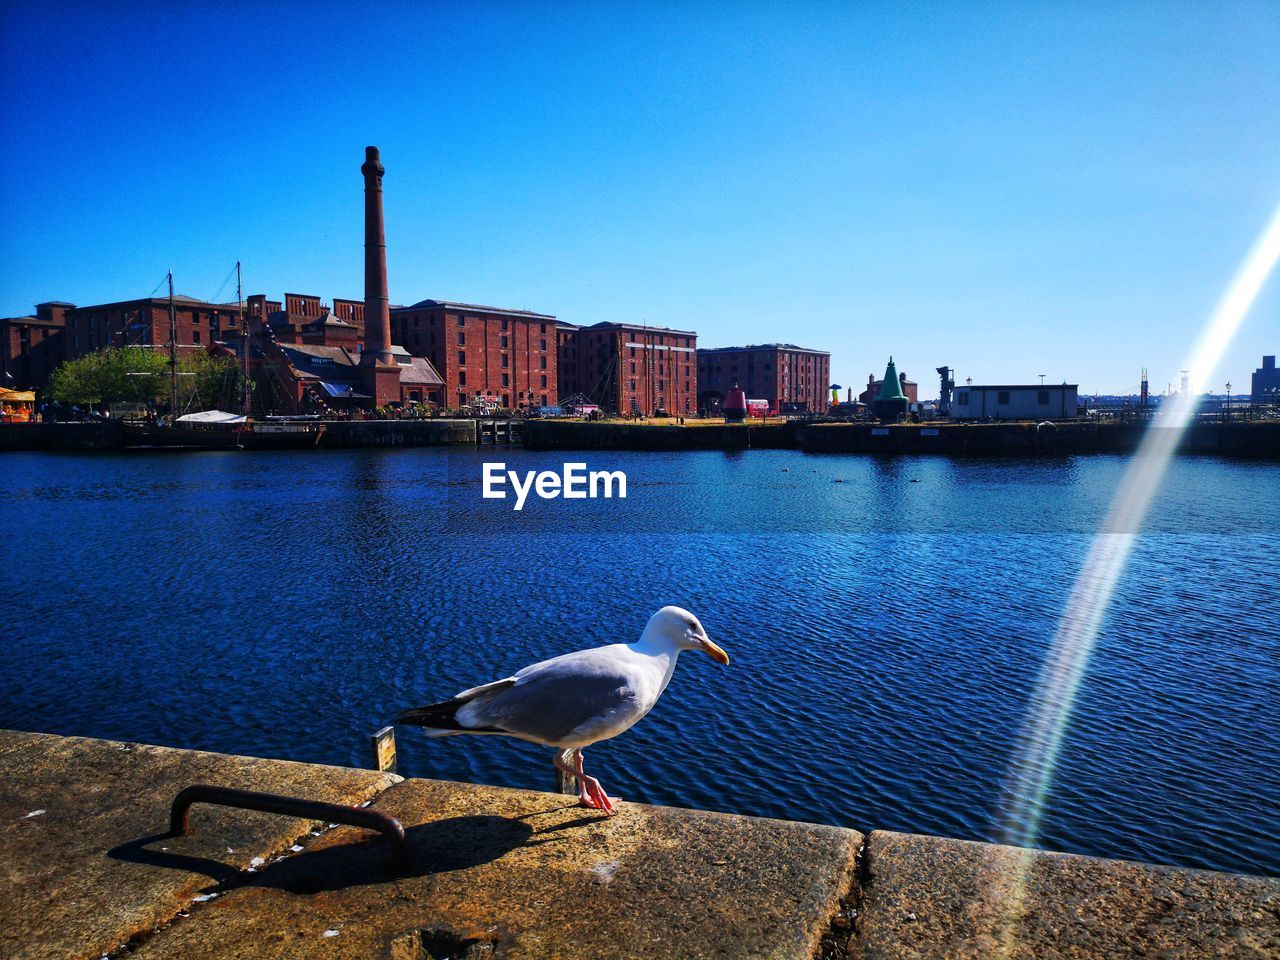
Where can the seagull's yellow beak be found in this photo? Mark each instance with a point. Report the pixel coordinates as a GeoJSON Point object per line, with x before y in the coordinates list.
{"type": "Point", "coordinates": [714, 651]}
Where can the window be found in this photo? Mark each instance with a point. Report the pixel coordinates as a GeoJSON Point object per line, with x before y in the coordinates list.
{"type": "Point", "coordinates": [543, 330]}
{"type": "Point", "coordinates": [195, 336]}
{"type": "Point", "coordinates": [633, 368]}
{"type": "Point", "coordinates": [1002, 396]}
{"type": "Point", "coordinates": [1043, 398]}
{"type": "Point", "coordinates": [506, 379]}
{"type": "Point", "coordinates": [504, 324]}
{"type": "Point", "coordinates": [503, 342]}
{"type": "Point", "coordinates": [506, 360]}
{"type": "Point", "coordinates": [461, 320]}
{"type": "Point", "coordinates": [542, 344]}
{"type": "Point", "coordinates": [462, 378]}
{"type": "Point", "coordinates": [544, 381]}
{"type": "Point", "coordinates": [462, 338]}
{"type": "Point", "coordinates": [462, 358]}
{"type": "Point", "coordinates": [633, 352]}
{"type": "Point", "coordinates": [632, 385]}
{"type": "Point", "coordinates": [544, 399]}
{"type": "Point", "coordinates": [544, 363]}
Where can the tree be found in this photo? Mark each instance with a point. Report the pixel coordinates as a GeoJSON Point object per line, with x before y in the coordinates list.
{"type": "Point", "coordinates": [141, 375]}
{"type": "Point", "coordinates": [207, 381]}
{"type": "Point", "coordinates": [114, 375]}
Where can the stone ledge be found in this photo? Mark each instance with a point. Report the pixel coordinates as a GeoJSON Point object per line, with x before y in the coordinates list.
{"type": "Point", "coordinates": [94, 869]}
{"type": "Point", "coordinates": [519, 874]}
{"type": "Point", "coordinates": [536, 876]}
{"type": "Point", "coordinates": [931, 897]}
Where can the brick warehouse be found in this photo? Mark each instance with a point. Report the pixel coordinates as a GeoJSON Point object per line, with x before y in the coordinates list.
{"type": "Point", "coordinates": [311, 355]}
{"type": "Point", "coordinates": [142, 322]}
{"type": "Point", "coordinates": [793, 379]}
{"type": "Point", "coordinates": [567, 360]}
{"type": "Point", "coordinates": [30, 347]}
{"type": "Point", "coordinates": [506, 356]}
{"type": "Point", "coordinates": [630, 368]}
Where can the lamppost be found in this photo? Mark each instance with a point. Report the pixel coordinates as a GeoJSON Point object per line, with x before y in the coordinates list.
{"type": "Point", "coordinates": [1228, 416]}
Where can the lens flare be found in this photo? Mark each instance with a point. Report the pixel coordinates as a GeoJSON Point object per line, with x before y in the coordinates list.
{"type": "Point", "coordinates": [1027, 788]}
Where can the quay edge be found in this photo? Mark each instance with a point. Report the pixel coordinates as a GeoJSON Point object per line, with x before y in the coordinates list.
{"type": "Point", "coordinates": [1245, 440]}
{"type": "Point", "coordinates": [516, 873]}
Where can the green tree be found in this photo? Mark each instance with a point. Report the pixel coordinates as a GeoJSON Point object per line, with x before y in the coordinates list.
{"type": "Point", "coordinates": [114, 375]}
{"type": "Point", "coordinates": [207, 382]}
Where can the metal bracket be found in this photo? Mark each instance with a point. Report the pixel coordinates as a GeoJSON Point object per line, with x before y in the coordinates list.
{"type": "Point", "coordinates": [180, 813]}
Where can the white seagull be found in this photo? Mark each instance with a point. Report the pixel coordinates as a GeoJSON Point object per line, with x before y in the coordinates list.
{"type": "Point", "coordinates": [575, 700]}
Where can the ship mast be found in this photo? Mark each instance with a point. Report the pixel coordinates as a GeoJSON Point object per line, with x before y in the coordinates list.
{"type": "Point", "coordinates": [173, 355]}
{"type": "Point", "coordinates": [244, 343]}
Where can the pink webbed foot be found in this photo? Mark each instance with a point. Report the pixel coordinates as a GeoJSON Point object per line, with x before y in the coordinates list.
{"type": "Point", "coordinates": [592, 795]}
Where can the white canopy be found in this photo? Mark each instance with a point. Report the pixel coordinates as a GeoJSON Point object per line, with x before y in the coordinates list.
{"type": "Point", "coordinates": [211, 416]}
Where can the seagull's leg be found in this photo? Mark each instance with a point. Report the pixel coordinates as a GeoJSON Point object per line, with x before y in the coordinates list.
{"type": "Point", "coordinates": [564, 763]}
{"type": "Point", "coordinates": [592, 794]}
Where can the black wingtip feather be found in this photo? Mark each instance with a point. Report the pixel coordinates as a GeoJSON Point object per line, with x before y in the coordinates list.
{"type": "Point", "coordinates": [438, 715]}
{"type": "Point", "coordinates": [443, 715]}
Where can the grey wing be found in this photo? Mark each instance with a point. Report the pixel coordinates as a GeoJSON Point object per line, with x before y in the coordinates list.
{"type": "Point", "coordinates": [560, 701]}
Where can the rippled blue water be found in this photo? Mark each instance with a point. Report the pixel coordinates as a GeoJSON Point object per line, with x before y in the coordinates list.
{"type": "Point", "coordinates": [886, 630]}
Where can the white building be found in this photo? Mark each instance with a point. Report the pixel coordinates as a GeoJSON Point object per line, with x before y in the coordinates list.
{"type": "Point", "coordinates": [1016, 402]}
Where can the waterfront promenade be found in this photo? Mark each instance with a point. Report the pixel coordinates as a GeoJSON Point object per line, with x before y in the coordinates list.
{"type": "Point", "coordinates": [91, 871]}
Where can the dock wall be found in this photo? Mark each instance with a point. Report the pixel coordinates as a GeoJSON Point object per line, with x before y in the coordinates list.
{"type": "Point", "coordinates": [91, 871]}
{"type": "Point", "coordinates": [615, 435]}
{"type": "Point", "coordinates": [1254, 439]}
{"type": "Point", "coordinates": [399, 433]}
{"type": "Point", "coordinates": [1244, 439]}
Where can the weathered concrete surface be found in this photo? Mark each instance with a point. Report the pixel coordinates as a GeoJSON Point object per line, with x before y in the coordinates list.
{"type": "Point", "coordinates": [84, 863]}
{"type": "Point", "coordinates": [536, 876]}
{"type": "Point", "coordinates": [930, 897]}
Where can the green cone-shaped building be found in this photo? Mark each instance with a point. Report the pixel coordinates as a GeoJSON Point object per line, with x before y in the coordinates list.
{"type": "Point", "coordinates": [891, 404]}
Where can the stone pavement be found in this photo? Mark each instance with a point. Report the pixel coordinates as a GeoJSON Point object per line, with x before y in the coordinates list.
{"type": "Point", "coordinates": [86, 867]}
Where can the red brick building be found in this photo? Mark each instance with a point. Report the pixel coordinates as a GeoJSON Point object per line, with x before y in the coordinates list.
{"type": "Point", "coordinates": [508, 357]}
{"type": "Point", "coordinates": [793, 379]}
{"type": "Point", "coordinates": [311, 356]}
{"type": "Point", "coordinates": [630, 368]}
{"type": "Point", "coordinates": [303, 318]}
{"type": "Point", "coordinates": [303, 377]}
{"type": "Point", "coordinates": [567, 360]}
{"type": "Point", "coordinates": [30, 347]}
{"type": "Point", "coordinates": [145, 322]}
{"type": "Point", "coordinates": [28, 342]}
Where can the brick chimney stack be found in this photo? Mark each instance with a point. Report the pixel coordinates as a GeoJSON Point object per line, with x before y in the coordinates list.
{"type": "Point", "coordinates": [377, 312]}
{"type": "Point", "coordinates": [382, 375]}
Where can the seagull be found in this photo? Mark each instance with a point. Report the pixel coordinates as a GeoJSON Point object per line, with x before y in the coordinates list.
{"type": "Point", "coordinates": [575, 700]}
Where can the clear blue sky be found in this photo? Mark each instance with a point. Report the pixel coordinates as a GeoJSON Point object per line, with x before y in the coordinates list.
{"type": "Point", "coordinates": [1012, 189]}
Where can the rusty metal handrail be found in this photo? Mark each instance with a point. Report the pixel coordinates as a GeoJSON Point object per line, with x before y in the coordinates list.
{"type": "Point", "coordinates": [180, 813]}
